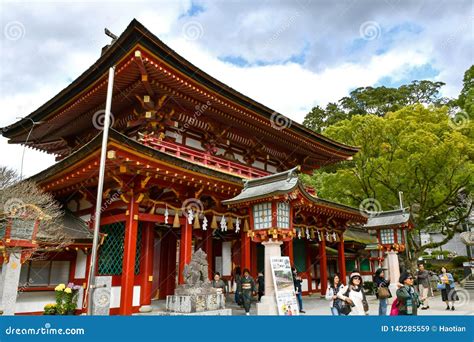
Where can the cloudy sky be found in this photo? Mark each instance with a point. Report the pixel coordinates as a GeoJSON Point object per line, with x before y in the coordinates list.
{"type": "Point", "coordinates": [289, 55]}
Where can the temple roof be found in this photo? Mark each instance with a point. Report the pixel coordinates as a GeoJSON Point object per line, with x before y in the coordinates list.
{"type": "Point", "coordinates": [74, 229]}
{"type": "Point", "coordinates": [114, 136]}
{"type": "Point", "coordinates": [285, 183]}
{"type": "Point", "coordinates": [276, 184]}
{"type": "Point", "coordinates": [359, 236]}
{"type": "Point", "coordinates": [67, 113]}
{"type": "Point", "coordinates": [389, 218]}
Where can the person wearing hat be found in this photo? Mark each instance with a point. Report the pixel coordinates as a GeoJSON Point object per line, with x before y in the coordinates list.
{"type": "Point", "coordinates": [408, 299]}
{"type": "Point", "coordinates": [247, 289]}
{"type": "Point", "coordinates": [354, 295]}
{"type": "Point", "coordinates": [382, 293]}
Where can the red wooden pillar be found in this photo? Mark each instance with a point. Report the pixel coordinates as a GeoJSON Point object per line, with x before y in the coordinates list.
{"type": "Point", "coordinates": [129, 254]}
{"type": "Point", "coordinates": [170, 261]}
{"type": "Point", "coordinates": [309, 263]}
{"type": "Point", "coordinates": [185, 248]}
{"type": "Point", "coordinates": [323, 272]}
{"type": "Point", "coordinates": [207, 246]}
{"type": "Point", "coordinates": [288, 250]}
{"type": "Point", "coordinates": [253, 256]}
{"type": "Point", "coordinates": [245, 251]}
{"type": "Point", "coordinates": [341, 258]}
{"type": "Point", "coordinates": [147, 264]}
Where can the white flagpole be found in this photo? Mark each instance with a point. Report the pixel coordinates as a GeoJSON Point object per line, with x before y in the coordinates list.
{"type": "Point", "coordinates": [100, 189]}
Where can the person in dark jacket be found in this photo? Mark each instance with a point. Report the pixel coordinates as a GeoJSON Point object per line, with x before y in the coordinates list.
{"type": "Point", "coordinates": [297, 281]}
{"type": "Point", "coordinates": [381, 282]}
{"type": "Point", "coordinates": [408, 299]}
{"type": "Point", "coordinates": [261, 285]}
{"type": "Point", "coordinates": [424, 287]}
{"type": "Point", "coordinates": [247, 289]}
{"type": "Point", "coordinates": [218, 283]}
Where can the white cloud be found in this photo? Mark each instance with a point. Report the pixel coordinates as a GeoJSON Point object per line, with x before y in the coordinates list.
{"type": "Point", "coordinates": [61, 40]}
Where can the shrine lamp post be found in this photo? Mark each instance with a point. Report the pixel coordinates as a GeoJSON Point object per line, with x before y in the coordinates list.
{"type": "Point", "coordinates": [100, 186]}
{"type": "Point", "coordinates": [18, 234]}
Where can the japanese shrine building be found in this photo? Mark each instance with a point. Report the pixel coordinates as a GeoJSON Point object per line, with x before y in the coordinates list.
{"type": "Point", "coordinates": [183, 146]}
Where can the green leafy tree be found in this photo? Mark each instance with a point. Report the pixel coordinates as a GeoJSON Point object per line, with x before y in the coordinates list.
{"type": "Point", "coordinates": [417, 150]}
{"type": "Point", "coordinates": [376, 101]}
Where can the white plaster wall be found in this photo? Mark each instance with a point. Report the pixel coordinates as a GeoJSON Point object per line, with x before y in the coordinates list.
{"type": "Point", "coordinates": [271, 168]}
{"type": "Point", "coordinates": [304, 285]}
{"type": "Point", "coordinates": [226, 258]}
{"type": "Point", "coordinates": [194, 143]}
{"type": "Point", "coordinates": [258, 164]}
{"type": "Point", "coordinates": [33, 301]}
{"type": "Point", "coordinates": [115, 296]}
{"type": "Point", "coordinates": [81, 264]}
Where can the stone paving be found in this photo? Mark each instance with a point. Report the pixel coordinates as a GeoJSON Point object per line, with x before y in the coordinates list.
{"type": "Point", "coordinates": [317, 306]}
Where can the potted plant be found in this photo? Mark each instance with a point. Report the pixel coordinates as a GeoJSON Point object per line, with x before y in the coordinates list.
{"type": "Point", "coordinates": [66, 298]}
{"type": "Point", "coordinates": [50, 309]}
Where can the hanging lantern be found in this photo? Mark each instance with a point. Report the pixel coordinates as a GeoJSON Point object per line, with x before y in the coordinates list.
{"type": "Point", "coordinates": [307, 233]}
{"type": "Point", "coordinates": [214, 222]}
{"type": "Point", "coordinates": [246, 226]}
{"type": "Point", "coordinates": [312, 234]}
{"type": "Point", "coordinates": [176, 223]}
{"type": "Point", "coordinates": [319, 236]}
{"type": "Point", "coordinates": [197, 225]}
{"type": "Point", "coordinates": [204, 223]}
{"type": "Point", "coordinates": [230, 223]}
{"type": "Point", "coordinates": [334, 236]}
{"type": "Point", "coordinates": [302, 233]}
{"type": "Point", "coordinates": [299, 233]}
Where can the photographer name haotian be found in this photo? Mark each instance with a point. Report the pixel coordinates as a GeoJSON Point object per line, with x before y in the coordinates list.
{"type": "Point", "coordinates": [451, 328]}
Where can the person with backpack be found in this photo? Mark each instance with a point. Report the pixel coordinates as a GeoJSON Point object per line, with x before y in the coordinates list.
{"type": "Point", "coordinates": [408, 298]}
{"type": "Point", "coordinates": [353, 296]}
{"type": "Point", "coordinates": [382, 291]}
{"type": "Point", "coordinates": [334, 287]}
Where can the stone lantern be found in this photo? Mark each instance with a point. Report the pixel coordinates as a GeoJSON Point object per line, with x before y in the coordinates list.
{"type": "Point", "coordinates": [18, 231]}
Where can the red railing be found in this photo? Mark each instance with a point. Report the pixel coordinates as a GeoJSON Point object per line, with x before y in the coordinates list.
{"type": "Point", "coordinates": [203, 158]}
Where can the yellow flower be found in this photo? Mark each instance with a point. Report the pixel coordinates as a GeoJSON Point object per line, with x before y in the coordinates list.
{"type": "Point", "coordinates": [60, 287]}
{"type": "Point", "coordinates": [67, 290]}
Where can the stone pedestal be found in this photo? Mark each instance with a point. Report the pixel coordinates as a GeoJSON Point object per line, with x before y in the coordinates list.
{"type": "Point", "coordinates": [101, 296]}
{"type": "Point", "coordinates": [393, 266]}
{"type": "Point", "coordinates": [268, 305]}
{"type": "Point", "coordinates": [196, 303]}
{"type": "Point", "coordinates": [10, 280]}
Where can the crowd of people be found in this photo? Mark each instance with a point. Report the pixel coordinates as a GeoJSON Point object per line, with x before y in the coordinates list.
{"type": "Point", "coordinates": [351, 299]}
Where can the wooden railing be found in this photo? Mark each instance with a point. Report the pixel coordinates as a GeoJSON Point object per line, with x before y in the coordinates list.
{"type": "Point", "coordinates": [203, 158]}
